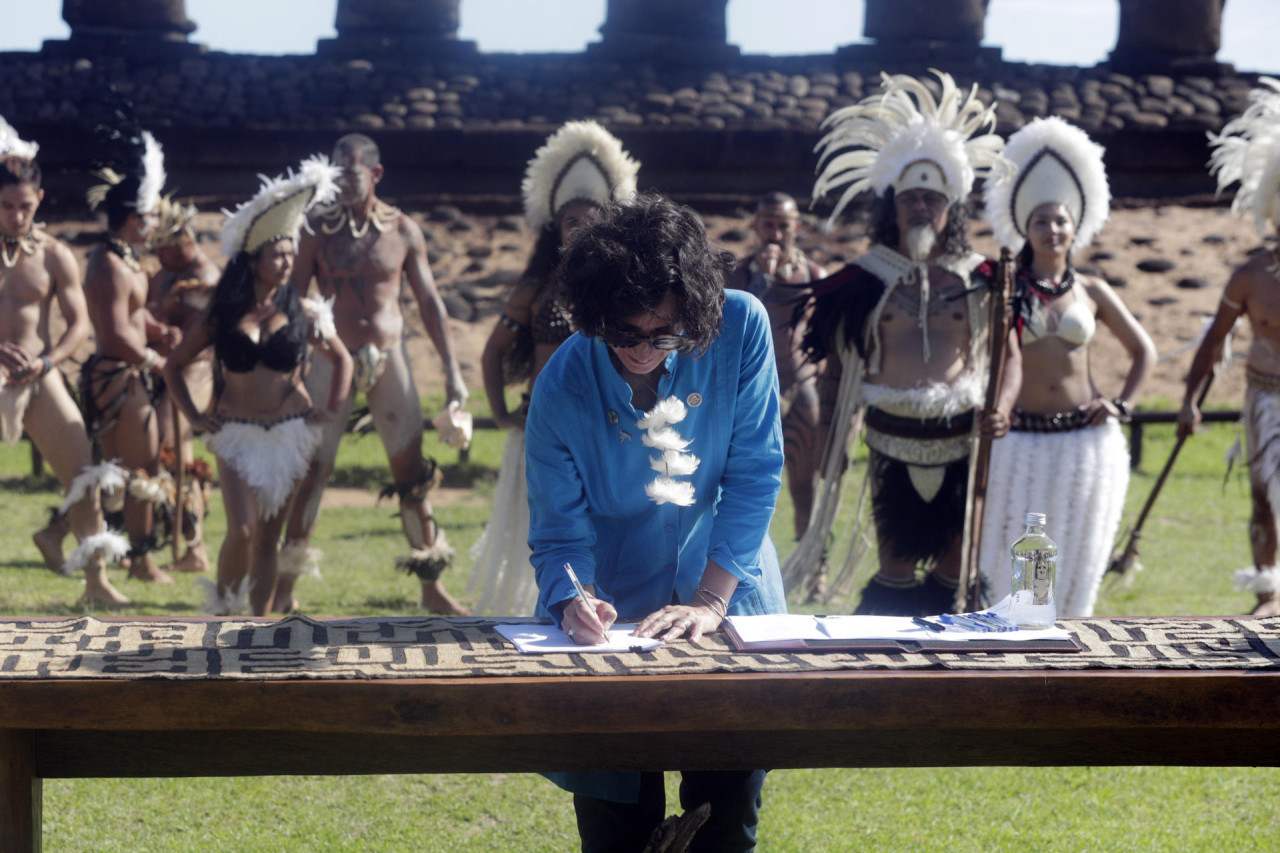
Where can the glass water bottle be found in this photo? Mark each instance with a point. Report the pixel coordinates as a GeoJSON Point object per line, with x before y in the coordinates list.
{"type": "Point", "coordinates": [1035, 569]}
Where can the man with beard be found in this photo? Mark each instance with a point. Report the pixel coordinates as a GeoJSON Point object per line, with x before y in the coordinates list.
{"type": "Point", "coordinates": [778, 274]}
{"type": "Point", "coordinates": [118, 382]}
{"type": "Point", "coordinates": [904, 332]}
{"type": "Point", "coordinates": [357, 253]}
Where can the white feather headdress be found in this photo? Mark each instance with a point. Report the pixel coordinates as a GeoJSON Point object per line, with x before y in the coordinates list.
{"type": "Point", "coordinates": [152, 179]}
{"type": "Point", "coordinates": [904, 126]}
{"type": "Point", "coordinates": [175, 220]}
{"type": "Point", "coordinates": [1248, 151]}
{"type": "Point", "coordinates": [11, 145]}
{"type": "Point", "coordinates": [1056, 162]}
{"type": "Point", "coordinates": [579, 162]}
{"type": "Point", "coordinates": [279, 209]}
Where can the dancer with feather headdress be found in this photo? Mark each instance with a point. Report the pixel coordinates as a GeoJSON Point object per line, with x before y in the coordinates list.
{"type": "Point", "coordinates": [1247, 152]}
{"type": "Point", "coordinates": [904, 333]}
{"type": "Point", "coordinates": [118, 387]}
{"type": "Point", "coordinates": [1066, 455]}
{"type": "Point", "coordinates": [264, 428]}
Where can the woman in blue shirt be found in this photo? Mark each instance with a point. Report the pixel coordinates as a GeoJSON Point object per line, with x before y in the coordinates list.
{"type": "Point", "coordinates": [654, 459]}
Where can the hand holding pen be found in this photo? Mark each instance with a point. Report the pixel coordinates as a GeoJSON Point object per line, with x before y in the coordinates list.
{"type": "Point", "coordinates": [586, 620]}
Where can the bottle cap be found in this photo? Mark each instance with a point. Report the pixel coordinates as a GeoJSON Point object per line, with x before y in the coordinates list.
{"type": "Point", "coordinates": [1036, 518]}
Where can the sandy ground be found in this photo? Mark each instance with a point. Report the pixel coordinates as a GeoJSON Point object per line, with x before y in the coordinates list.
{"type": "Point", "coordinates": [476, 259]}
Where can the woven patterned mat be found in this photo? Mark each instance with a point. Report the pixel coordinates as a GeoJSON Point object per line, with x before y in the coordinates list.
{"type": "Point", "coordinates": [298, 647]}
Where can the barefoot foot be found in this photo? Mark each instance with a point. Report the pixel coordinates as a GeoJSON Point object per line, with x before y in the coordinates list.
{"type": "Point", "coordinates": [436, 600]}
{"type": "Point", "coordinates": [143, 569]}
{"type": "Point", "coordinates": [49, 543]}
{"type": "Point", "coordinates": [1268, 605]}
{"type": "Point", "coordinates": [101, 591]}
{"type": "Point", "coordinates": [195, 560]}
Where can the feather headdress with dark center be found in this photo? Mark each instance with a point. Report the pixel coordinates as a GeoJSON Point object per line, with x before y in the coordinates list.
{"type": "Point", "coordinates": [579, 162]}
{"type": "Point", "coordinates": [1248, 151]}
{"type": "Point", "coordinates": [871, 145]}
{"type": "Point", "coordinates": [1056, 162]}
{"type": "Point", "coordinates": [128, 160]}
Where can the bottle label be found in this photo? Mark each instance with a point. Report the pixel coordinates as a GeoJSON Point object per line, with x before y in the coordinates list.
{"type": "Point", "coordinates": [1041, 579]}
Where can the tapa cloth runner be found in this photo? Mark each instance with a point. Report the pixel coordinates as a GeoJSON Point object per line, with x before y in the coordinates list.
{"type": "Point", "coordinates": [298, 647]}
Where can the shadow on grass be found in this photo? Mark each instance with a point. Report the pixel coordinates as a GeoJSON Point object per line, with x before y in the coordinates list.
{"type": "Point", "coordinates": [30, 484]}
{"type": "Point", "coordinates": [375, 477]}
{"type": "Point", "coordinates": [29, 564]}
{"type": "Point", "coordinates": [395, 603]}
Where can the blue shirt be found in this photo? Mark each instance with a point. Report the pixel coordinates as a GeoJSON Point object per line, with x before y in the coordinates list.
{"type": "Point", "coordinates": [587, 469]}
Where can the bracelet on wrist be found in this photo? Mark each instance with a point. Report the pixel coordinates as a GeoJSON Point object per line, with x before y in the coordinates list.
{"type": "Point", "coordinates": [46, 364]}
{"type": "Point", "coordinates": [1122, 405]}
{"type": "Point", "coordinates": [712, 602]}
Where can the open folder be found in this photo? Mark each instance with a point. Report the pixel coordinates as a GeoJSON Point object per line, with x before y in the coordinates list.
{"type": "Point", "coordinates": [790, 632]}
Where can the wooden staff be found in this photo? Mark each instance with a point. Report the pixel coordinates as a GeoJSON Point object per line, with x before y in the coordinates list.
{"type": "Point", "coordinates": [980, 459]}
{"type": "Point", "coordinates": [177, 480]}
{"type": "Point", "coordinates": [1126, 559]}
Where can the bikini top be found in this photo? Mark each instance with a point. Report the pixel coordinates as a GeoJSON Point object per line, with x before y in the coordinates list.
{"type": "Point", "coordinates": [1076, 324]}
{"type": "Point", "coordinates": [283, 350]}
{"type": "Point", "coordinates": [553, 323]}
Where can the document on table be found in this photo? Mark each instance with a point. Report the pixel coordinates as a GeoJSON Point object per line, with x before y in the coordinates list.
{"type": "Point", "coordinates": [816, 633]}
{"type": "Point", "coordinates": [548, 639]}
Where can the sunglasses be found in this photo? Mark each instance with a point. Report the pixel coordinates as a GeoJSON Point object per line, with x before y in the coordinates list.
{"type": "Point", "coordinates": [627, 340]}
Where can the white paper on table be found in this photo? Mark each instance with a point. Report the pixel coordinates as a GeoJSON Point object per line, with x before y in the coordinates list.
{"type": "Point", "coordinates": [548, 639]}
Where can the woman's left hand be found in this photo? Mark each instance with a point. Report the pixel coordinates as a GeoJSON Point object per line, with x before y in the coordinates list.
{"type": "Point", "coordinates": [676, 620]}
{"type": "Point", "coordinates": [1097, 410]}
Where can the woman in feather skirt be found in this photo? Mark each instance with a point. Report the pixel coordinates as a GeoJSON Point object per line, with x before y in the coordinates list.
{"type": "Point", "coordinates": [263, 428]}
{"type": "Point", "coordinates": [1065, 455]}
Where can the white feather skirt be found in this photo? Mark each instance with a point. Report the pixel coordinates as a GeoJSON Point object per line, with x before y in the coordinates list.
{"type": "Point", "coordinates": [1078, 479]}
{"type": "Point", "coordinates": [502, 573]}
{"type": "Point", "coordinates": [270, 459]}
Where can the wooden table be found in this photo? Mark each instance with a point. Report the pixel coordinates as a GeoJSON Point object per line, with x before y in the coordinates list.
{"type": "Point", "coordinates": [101, 728]}
{"type": "Point", "coordinates": [885, 717]}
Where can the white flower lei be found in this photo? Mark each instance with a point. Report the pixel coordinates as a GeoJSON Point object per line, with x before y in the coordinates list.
{"type": "Point", "coordinates": [672, 462]}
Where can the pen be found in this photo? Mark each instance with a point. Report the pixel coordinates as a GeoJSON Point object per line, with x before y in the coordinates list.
{"type": "Point", "coordinates": [582, 593]}
{"type": "Point", "coordinates": [996, 623]}
{"type": "Point", "coordinates": [925, 623]}
{"type": "Point", "coordinates": [965, 622]}
{"type": "Point", "coordinates": [577, 585]}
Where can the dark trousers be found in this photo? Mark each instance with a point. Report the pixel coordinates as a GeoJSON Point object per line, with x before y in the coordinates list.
{"type": "Point", "coordinates": [607, 827]}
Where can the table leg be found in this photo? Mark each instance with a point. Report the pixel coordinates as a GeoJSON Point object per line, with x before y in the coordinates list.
{"type": "Point", "coordinates": [20, 792]}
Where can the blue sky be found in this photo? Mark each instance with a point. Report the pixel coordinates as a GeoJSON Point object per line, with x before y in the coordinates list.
{"type": "Point", "coordinates": [1066, 32]}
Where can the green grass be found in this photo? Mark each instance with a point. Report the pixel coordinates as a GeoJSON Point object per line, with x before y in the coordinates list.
{"type": "Point", "coordinates": [1195, 537]}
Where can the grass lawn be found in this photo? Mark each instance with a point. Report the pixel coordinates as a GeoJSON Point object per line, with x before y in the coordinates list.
{"type": "Point", "coordinates": [1195, 537]}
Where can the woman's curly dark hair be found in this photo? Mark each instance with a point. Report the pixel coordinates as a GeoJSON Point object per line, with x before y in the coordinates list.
{"type": "Point", "coordinates": [884, 225]}
{"type": "Point", "coordinates": [636, 254]}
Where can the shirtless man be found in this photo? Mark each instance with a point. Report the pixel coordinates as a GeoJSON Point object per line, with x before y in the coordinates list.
{"type": "Point", "coordinates": [778, 274]}
{"type": "Point", "coordinates": [904, 332]}
{"type": "Point", "coordinates": [359, 251]}
{"type": "Point", "coordinates": [1247, 151]}
{"type": "Point", "coordinates": [36, 270]}
{"type": "Point", "coordinates": [1252, 291]}
{"type": "Point", "coordinates": [118, 380]}
{"type": "Point", "coordinates": [179, 291]}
